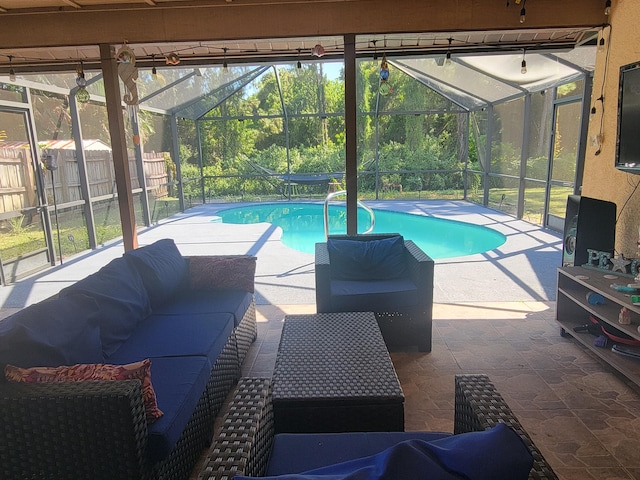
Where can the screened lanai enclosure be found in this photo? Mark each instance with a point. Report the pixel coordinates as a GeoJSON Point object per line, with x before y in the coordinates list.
{"type": "Point", "coordinates": [503, 129]}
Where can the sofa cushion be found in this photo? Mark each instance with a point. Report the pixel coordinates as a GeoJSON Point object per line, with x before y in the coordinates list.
{"type": "Point", "coordinates": [59, 331]}
{"type": "Point", "coordinates": [176, 335]}
{"type": "Point", "coordinates": [376, 296]}
{"type": "Point", "coordinates": [367, 259]}
{"type": "Point", "coordinates": [228, 272]}
{"type": "Point", "coordinates": [162, 268]}
{"type": "Point", "coordinates": [93, 372]}
{"type": "Point", "coordinates": [179, 383]}
{"type": "Point", "coordinates": [121, 297]}
{"type": "Point", "coordinates": [495, 454]}
{"type": "Point", "coordinates": [235, 302]}
{"type": "Point", "coordinates": [290, 452]}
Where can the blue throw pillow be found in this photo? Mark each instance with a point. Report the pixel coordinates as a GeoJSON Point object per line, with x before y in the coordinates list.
{"type": "Point", "coordinates": [495, 454]}
{"type": "Point", "coordinates": [162, 267]}
{"type": "Point", "coordinates": [122, 299]}
{"type": "Point", "coordinates": [382, 259]}
{"type": "Point", "coordinates": [60, 331]}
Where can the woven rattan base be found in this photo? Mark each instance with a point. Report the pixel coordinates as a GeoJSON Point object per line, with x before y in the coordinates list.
{"type": "Point", "coordinates": [333, 373]}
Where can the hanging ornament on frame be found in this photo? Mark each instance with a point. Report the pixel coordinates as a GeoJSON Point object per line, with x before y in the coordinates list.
{"type": "Point", "coordinates": [82, 95]}
{"type": "Point", "coordinates": [318, 51]}
{"type": "Point", "coordinates": [385, 87]}
{"type": "Point", "coordinates": [128, 73]}
{"type": "Point", "coordinates": [172, 59]}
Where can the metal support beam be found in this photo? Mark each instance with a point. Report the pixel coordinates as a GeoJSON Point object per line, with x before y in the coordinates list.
{"type": "Point", "coordinates": [524, 156]}
{"type": "Point", "coordinates": [200, 161]}
{"type": "Point", "coordinates": [377, 137]}
{"type": "Point", "coordinates": [350, 123]}
{"type": "Point", "coordinates": [42, 191]}
{"type": "Point", "coordinates": [76, 130]}
{"type": "Point", "coordinates": [584, 130]}
{"type": "Point", "coordinates": [487, 158]}
{"type": "Point", "coordinates": [175, 154]}
{"type": "Point", "coordinates": [119, 146]}
{"type": "Point", "coordinates": [551, 151]}
{"type": "Point", "coordinates": [285, 113]}
{"type": "Point", "coordinates": [467, 131]}
{"type": "Point", "coordinates": [142, 178]}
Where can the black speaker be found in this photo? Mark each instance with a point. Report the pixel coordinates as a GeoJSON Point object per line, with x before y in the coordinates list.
{"type": "Point", "coordinates": [589, 223]}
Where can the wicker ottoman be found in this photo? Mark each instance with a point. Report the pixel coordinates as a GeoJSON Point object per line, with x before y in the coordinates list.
{"type": "Point", "coordinates": [333, 373]}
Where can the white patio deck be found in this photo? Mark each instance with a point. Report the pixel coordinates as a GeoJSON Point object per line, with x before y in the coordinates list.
{"type": "Point", "coordinates": [523, 269]}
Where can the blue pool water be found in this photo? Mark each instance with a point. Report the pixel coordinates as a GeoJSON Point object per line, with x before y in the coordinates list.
{"type": "Point", "coordinates": [303, 226]}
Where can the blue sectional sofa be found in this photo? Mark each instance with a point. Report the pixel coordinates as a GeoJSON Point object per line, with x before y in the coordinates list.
{"type": "Point", "coordinates": [192, 318]}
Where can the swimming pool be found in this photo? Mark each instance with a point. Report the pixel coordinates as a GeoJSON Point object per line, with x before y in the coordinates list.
{"type": "Point", "coordinates": [302, 227]}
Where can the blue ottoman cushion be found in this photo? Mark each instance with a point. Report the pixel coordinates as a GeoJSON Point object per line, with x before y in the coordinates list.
{"type": "Point", "coordinates": [495, 454]}
{"type": "Point", "coordinates": [290, 452]}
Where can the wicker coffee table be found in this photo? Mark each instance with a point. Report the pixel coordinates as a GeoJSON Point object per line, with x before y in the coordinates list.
{"type": "Point", "coordinates": [333, 373]}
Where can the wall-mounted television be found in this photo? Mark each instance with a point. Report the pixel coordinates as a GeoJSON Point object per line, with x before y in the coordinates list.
{"type": "Point", "coordinates": [628, 139]}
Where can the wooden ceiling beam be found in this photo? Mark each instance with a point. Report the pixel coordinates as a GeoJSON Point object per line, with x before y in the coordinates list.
{"type": "Point", "coordinates": [72, 4]}
{"type": "Point", "coordinates": [229, 21]}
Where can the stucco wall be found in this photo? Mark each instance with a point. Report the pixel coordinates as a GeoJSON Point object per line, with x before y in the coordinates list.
{"type": "Point", "coordinates": [601, 179]}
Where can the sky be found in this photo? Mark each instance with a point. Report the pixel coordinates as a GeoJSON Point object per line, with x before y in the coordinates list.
{"type": "Point", "coordinates": [332, 69]}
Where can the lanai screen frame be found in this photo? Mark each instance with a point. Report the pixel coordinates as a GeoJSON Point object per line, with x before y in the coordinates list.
{"type": "Point", "coordinates": [477, 103]}
{"type": "Point", "coordinates": [193, 104]}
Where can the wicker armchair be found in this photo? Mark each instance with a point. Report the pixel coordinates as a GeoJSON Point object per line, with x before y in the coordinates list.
{"type": "Point", "coordinates": [404, 319]}
{"type": "Point", "coordinates": [243, 445]}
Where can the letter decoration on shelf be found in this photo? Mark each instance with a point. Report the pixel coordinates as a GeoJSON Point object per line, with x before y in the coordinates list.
{"type": "Point", "coordinates": [627, 267]}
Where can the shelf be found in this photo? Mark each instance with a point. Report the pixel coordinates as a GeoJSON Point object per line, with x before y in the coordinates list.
{"type": "Point", "coordinates": [627, 366]}
{"type": "Point", "coordinates": [573, 310]}
{"type": "Point", "coordinates": [577, 289]}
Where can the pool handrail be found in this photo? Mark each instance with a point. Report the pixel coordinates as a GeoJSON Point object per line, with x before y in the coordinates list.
{"type": "Point", "coordinates": [326, 212]}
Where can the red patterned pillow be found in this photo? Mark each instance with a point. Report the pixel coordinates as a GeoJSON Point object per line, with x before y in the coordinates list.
{"type": "Point", "coordinates": [93, 371]}
{"type": "Point", "coordinates": [222, 271]}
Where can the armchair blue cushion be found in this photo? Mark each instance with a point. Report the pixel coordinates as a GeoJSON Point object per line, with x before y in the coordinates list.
{"type": "Point", "coordinates": [381, 259]}
{"type": "Point", "coordinates": [379, 273]}
{"type": "Point", "coordinates": [374, 295]}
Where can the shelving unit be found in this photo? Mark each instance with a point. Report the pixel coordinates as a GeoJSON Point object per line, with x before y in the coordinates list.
{"type": "Point", "coordinates": [573, 310]}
